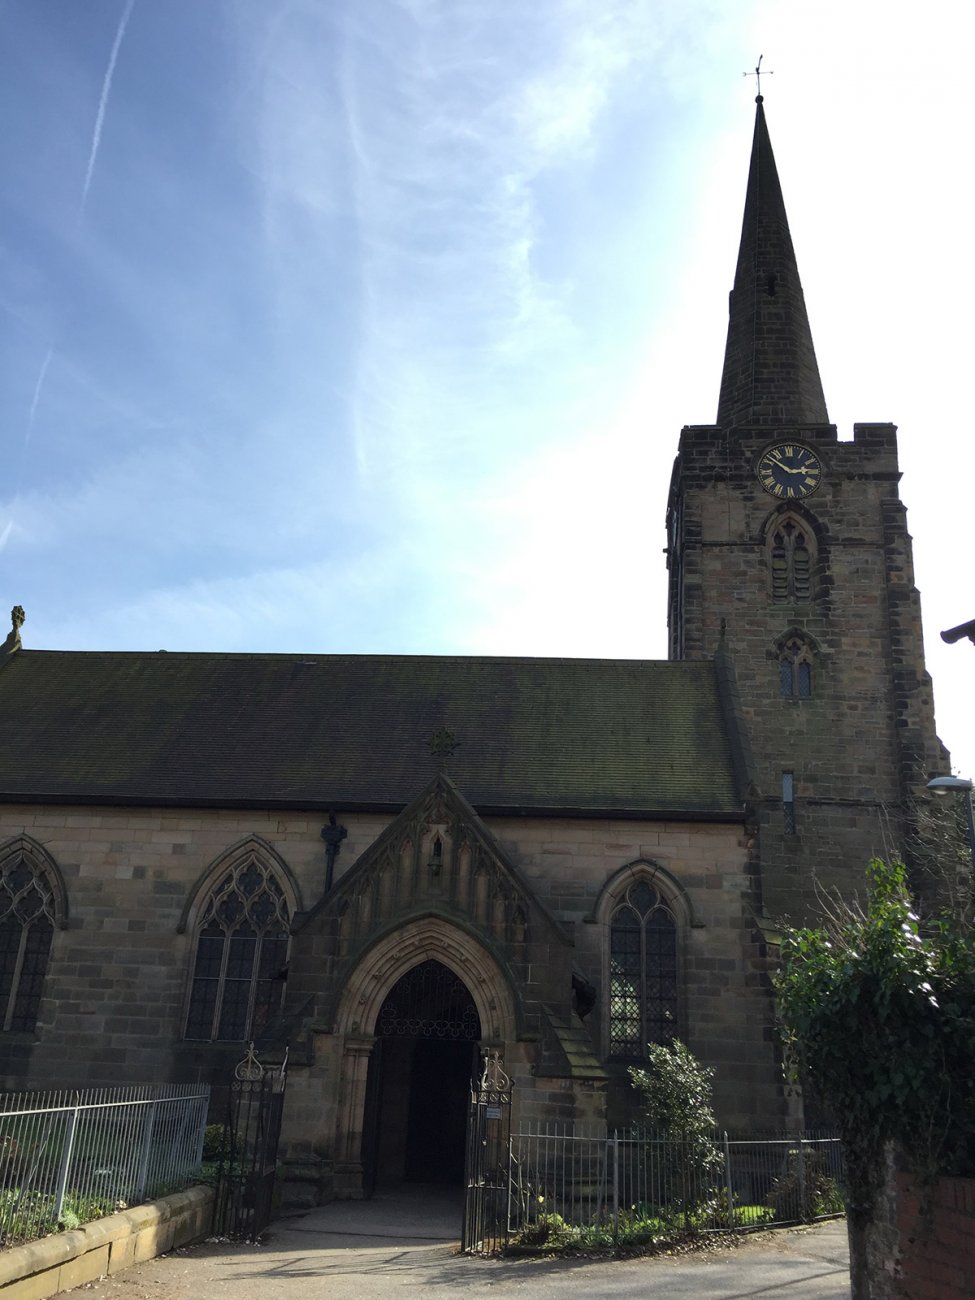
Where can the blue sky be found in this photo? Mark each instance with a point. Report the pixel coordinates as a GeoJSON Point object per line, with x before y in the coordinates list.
{"type": "Point", "coordinates": [370, 325]}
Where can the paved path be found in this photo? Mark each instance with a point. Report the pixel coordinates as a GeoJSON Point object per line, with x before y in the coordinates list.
{"type": "Point", "coordinates": [357, 1250]}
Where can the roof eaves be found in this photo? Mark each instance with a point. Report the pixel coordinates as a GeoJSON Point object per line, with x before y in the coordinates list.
{"type": "Point", "coordinates": [574, 811]}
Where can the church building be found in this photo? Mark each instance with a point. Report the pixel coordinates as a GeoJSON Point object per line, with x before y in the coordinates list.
{"type": "Point", "coordinates": [390, 865]}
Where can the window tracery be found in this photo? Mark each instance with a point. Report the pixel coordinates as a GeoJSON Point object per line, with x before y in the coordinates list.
{"type": "Point", "coordinates": [241, 954]}
{"type": "Point", "coordinates": [643, 972]}
{"type": "Point", "coordinates": [28, 914]}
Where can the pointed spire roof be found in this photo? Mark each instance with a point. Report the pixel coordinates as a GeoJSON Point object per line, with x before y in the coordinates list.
{"type": "Point", "coordinates": [770, 373]}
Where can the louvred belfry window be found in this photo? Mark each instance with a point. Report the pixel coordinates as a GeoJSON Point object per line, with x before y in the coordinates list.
{"type": "Point", "coordinates": [791, 562]}
{"type": "Point", "coordinates": [26, 931]}
{"type": "Point", "coordinates": [242, 950]}
{"type": "Point", "coordinates": [643, 1002]}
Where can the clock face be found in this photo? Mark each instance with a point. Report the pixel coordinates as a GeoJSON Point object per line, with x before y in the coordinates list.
{"type": "Point", "coordinates": [789, 470]}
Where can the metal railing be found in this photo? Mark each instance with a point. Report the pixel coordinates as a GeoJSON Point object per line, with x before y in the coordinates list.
{"type": "Point", "coordinates": [569, 1184]}
{"type": "Point", "coordinates": [71, 1156]}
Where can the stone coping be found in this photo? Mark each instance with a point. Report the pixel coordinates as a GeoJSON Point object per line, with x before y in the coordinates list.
{"type": "Point", "coordinates": [68, 1259]}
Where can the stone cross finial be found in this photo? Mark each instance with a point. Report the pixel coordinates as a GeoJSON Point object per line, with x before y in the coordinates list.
{"type": "Point", "coordinates": [13, 641]}
{"type": "Point", "coordinates": [443, 744]}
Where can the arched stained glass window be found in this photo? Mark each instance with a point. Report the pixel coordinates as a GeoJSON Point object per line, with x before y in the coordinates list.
{"type": "Point", "coordinates": [241, 953]}
{"type": "Point", "coordinates": [643, 976]}
{"type": "Point", "coordinates": [27, 916]}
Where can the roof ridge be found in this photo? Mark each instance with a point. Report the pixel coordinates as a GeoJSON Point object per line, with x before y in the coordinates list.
{"type": "Point", "coordinates": [298, 656]}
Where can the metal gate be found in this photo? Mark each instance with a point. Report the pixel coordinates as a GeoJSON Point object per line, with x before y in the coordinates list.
{"type": "Point", "coordinates": [430, 1001]}
{"type": "Point", "coordinates": [245, 1179]}
{"type": "Point", "coordinates": [488, 1176]}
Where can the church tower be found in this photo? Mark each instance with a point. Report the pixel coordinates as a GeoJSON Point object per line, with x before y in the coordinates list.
{"type": "Point", "coordinates": [788, 548]}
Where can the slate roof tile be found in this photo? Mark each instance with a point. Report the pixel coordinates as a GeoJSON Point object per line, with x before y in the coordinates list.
{"type": "Point", "coordinates": [576, 736]}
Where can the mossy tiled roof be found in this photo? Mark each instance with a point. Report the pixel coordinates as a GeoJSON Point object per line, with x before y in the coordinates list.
{"type": "Point", "coordinates": [575, 736]}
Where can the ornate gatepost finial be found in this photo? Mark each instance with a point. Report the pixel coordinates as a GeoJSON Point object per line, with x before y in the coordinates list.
{"type": "Point", "coordinates": [443, 744]}
{"type": "Point", "coordinates": [494, 1078]}
{"type": "Point", "coordinates": [13, 642]}
{"type": "Point", "coordinates": [249, 1070]}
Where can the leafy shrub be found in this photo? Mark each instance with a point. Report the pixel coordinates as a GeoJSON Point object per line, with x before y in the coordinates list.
{"type": "Point", "coordinates": [878, 1013]}
{"type": "Point", "coordinates": [214, 1138]}
{"type": "Point", "coordinates": [809, 1193]}
{"type": "Point", "coordinates": [548, 1230]}
{"type": "Point", "coordinates": [642, 1225]}
{"type": "Point", "coordinates": [675, 1089]}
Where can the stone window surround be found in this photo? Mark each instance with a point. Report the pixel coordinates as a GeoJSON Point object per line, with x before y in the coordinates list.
{"type": "Point", "coordinates": [792, 520]}
{"type": "Point", "coordinates": [252, 848]}
{"type": "Point", "coordinates": [24, 849]}
{"type": "Point", "coordinates": [677, 901]}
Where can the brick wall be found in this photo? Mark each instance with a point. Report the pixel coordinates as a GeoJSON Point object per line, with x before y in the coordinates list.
{"type": "Point", "coordinates": [937, 1239]}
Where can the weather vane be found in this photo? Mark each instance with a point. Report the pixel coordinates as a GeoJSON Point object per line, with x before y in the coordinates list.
{"type": "Point", "coordinates": [757, 74]}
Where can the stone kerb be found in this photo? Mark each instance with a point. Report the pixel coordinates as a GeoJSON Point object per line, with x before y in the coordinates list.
{"type": "Point", "coordinates": [68, 1259]}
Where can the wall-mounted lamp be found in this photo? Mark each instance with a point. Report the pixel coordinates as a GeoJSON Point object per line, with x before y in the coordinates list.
{"type": "Point", "coordinates": [958, 785]}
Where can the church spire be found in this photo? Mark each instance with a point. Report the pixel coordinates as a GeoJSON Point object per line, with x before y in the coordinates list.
{"type": "Point", "coordinates": [770, 375]}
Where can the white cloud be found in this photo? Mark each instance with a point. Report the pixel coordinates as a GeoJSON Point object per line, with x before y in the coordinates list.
{"type": "Point", "coordinates": [447, 119]}
{"type": "Point", "coordinates": [400, 306]}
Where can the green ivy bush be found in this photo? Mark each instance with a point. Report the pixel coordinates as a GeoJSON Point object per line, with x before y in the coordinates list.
{"type": "Point", "coordinates": [878, 1015]}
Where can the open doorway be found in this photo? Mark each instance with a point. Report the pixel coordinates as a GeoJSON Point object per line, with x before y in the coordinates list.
{"type": "Point", "coordinates": [418, 1090]}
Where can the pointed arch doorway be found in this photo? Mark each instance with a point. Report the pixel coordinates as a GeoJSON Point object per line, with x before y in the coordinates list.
{"type": "Point", "coordinates": [418, 1086]}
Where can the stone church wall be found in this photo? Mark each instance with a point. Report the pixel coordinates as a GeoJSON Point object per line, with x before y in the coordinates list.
{"type": "Point", "coordinates": [727, 1022]}
{"type": "Point", "coordinates": [117, 984]}
{"type": "Point", "coordinates": [863, 743]}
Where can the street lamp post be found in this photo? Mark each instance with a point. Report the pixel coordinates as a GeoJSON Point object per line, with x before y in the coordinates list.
{"type": "Point", "coordinates": [958, 785]}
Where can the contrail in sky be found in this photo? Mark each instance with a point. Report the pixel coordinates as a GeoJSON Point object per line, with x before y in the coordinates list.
{"type": "Point", "coordinates": [4, 536]}
{"type": "Point", "coordinates": [37, 393]}
{"type": "Point", "coordinates": [100, 117]}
